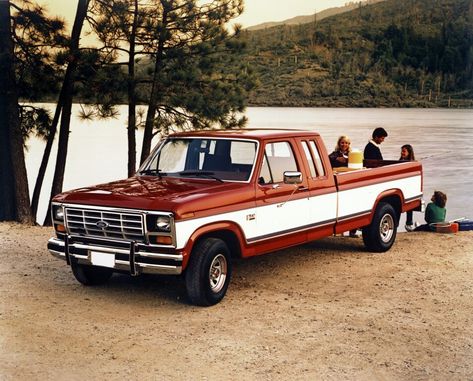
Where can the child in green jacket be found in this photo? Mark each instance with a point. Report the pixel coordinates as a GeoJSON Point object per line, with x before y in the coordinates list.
{"type": "Point", "coordinates": [435, 211]}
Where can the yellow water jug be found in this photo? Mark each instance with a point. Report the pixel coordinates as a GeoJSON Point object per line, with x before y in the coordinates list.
{"type": "Point", "coordinates": [355, 159]}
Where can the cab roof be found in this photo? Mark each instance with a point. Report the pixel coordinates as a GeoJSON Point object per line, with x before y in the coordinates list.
{"type": "Point", "coordinates": [249, 133]}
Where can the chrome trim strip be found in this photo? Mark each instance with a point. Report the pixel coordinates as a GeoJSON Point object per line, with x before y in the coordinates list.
{"type": "Point", "coordinates": [58, 254]}
{"type": "Point", "coordinates": [100, 248]}
{"type": "Point", "coordinates": [160, 269]}
{"type": "Point", "coordinates": [177, 257]}
{"type": "Point", "coordinates": [56, 241]}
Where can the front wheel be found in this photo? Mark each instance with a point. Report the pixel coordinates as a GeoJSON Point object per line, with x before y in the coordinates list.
{"type": "Point", "coordinates": [380, 235]}
{"type": "Point", "coordinates": [91, 275]}
{"type": "Point", "coordinates": [208, 273]}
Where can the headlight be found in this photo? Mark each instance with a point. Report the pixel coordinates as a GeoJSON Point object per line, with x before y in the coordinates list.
{"type": "Point", "coordinates": [163, 224]}
{"type": "Point", "coordinates": [58, 213]}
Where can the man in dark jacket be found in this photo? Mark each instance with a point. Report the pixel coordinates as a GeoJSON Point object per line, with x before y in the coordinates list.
{"type": "Point", "coordinates": [372, 151]}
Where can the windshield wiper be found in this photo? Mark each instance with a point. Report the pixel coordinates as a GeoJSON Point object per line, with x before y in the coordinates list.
{"type": "Point", "coordinates": [206, 174]}
{"type": "Point", "coordinates": [150, 171]}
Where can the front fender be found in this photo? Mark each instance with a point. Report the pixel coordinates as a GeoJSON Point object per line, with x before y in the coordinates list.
{"type": "Point", "coordinates": [228, 231]}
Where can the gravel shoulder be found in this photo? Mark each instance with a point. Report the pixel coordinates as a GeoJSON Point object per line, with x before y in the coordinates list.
{"type": "Point", "coordinates": [327, 310]}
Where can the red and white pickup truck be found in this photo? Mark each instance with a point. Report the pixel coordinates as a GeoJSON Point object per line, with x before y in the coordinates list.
{"type": "Point", "coordinates": [202, 198]}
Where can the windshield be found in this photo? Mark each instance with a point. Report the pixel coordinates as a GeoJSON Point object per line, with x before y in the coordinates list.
{"type": "Point", "coordinates": [219, 159]}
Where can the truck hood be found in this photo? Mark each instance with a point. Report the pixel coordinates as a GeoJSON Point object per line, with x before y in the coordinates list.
{"type": "Point", "coordinates": [177, 195]}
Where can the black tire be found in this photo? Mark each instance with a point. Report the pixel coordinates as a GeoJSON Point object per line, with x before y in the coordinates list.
{"type": "Point", "coordinates": [91, 275]}
{"type": "Point", "coordinates": [380, 235]}
{"type": "Point", "coordinates": [208, 272]}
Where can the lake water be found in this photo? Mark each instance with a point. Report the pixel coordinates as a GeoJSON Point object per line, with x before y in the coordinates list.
{"type": "Point", "coordinates": [441, 139]}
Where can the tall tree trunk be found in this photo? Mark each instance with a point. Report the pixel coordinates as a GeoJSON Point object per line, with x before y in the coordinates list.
{"type": "Point", "coordinates": [15, 203]}
{"type": "Point", "coordinates": [132, 97]}
{"type": "Point", "coordinates": [47, 151]}
{"type": "Point", "coordinates": [153, 100]}
{"type": "Point", "coordinates": [68, 87]}
{"type": "Point", "coordinates": [7, 186]}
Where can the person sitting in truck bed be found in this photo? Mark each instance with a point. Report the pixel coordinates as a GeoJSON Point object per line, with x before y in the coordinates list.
{"type": "Point", "coordinates": [372, 150]}
{"type": "Point", "coordinates": [339, 157]}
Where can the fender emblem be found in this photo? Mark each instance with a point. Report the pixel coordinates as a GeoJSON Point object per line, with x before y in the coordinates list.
{"type": "Point", "coordinates": [250, 217]}
{"type": "Point", "coordinates": [102, 224]}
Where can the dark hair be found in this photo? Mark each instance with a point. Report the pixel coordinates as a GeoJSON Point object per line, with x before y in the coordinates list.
{"type": "Point", "coordinates": [411, 156]}
{"type": "Point", "coordinates": [440, 199]}
{"type": "Point", "coordinates": [379, 132]}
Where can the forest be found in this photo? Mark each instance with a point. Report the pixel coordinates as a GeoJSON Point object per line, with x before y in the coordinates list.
{"type": "Point", "coordinates": [396, 53]}
{"type": "Point", "coordinates": [177, 57]}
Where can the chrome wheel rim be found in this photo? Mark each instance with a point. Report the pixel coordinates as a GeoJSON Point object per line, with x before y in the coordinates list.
{"type": "Point", "coordinates": [218, 273]}
{"type": "Point", "coordinates": [386, 228]}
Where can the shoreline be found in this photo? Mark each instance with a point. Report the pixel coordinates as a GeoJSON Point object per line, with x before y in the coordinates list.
{"type": "Point", "coordinates": [262, 105]}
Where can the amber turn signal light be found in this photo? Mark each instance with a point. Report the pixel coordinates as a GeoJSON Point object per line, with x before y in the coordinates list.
{"type": "Point", "coordinates": [164, 240]}
{"type": "Point", "coordinates": [61, 228]}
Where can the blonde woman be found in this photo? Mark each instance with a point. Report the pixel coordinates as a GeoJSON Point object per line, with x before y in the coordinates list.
{"type": "Point", "coordinates": [339, 157]}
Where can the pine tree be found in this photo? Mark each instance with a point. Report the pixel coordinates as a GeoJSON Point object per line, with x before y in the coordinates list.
{"type": "Point", "coordinates": [119, 27]}
{"type": "Point", "coordinates": [198, 78]}
{"type": "Point", "coordinates": [66, 100]}
{"type": "Point", "coordinates": [26, 39]}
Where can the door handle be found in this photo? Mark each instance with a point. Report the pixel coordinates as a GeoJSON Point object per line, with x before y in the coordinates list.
{"type": "Point", "coordinates": [303, 188]}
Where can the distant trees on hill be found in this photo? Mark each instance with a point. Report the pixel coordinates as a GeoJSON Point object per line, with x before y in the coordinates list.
{"type": "Point", "coordinates": [393, 53]}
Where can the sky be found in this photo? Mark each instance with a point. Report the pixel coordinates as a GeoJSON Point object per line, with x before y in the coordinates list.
{"type": "Point", "coordinates": [256, 11]}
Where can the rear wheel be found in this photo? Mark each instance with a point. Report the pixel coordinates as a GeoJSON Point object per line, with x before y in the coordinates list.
{"type": "Point", "coordinates": [380, 235]}
{"type": "Point", "coordinates": [208, 273]}
{"type": "Point", "coordinates": [91, 275]}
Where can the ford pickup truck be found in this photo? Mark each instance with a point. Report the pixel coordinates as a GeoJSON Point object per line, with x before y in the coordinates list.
{"type": "Point", "coordinates": [203, 198]}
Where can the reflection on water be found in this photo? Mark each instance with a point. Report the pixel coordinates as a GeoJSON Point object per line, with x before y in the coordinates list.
{"type": "Point", "coordinates": [441, 140]}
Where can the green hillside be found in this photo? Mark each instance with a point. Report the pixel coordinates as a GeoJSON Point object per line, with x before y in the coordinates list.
{"type": "Point", "coordinates": [396, 53]}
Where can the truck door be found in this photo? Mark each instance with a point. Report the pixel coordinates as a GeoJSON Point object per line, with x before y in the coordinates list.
{"type": "Point", "coordinates": [281, 209]}
{"type": "Point", "coordinates": [323, 194]}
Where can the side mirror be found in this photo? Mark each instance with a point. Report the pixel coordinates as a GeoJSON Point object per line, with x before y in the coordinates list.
{"type": "Point", "coordinates": [292, 177]}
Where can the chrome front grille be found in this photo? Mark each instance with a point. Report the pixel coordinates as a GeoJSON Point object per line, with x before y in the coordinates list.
{"type": "Point", "coordinates": [105, 223]}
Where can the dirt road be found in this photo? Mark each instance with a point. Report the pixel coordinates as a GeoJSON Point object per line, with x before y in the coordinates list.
{"type": "Point", "coordinates": [326, 311]}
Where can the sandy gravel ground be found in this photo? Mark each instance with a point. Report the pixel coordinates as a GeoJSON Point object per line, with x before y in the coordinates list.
{"type": "Point", "coordinates": [324, 311]}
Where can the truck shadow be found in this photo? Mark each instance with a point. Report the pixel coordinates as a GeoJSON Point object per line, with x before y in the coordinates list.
{"type": "Point", "coordinates": [313, 251]}
{"type": "Point", "coordinates": [304, 262]}
{"type": "Point", "coordinates": [155, 290]}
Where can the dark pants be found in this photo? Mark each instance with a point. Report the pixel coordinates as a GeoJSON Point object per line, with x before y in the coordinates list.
{"type": "Point", "coordinates": [409, 215]}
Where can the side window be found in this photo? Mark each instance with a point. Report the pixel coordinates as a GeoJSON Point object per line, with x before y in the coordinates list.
{"type": "Point", "coordinates": [265, 175]}
{"type": "Point", "coordinates": [308, 156]}
{"type": "Point", "coordinates": [318, 161]}
{"type": "Point", "coordinates": [278, 158]}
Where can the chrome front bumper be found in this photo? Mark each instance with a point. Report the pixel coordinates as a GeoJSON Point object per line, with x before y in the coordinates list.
{"type": "Point", "coordinates": [134, 258]}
